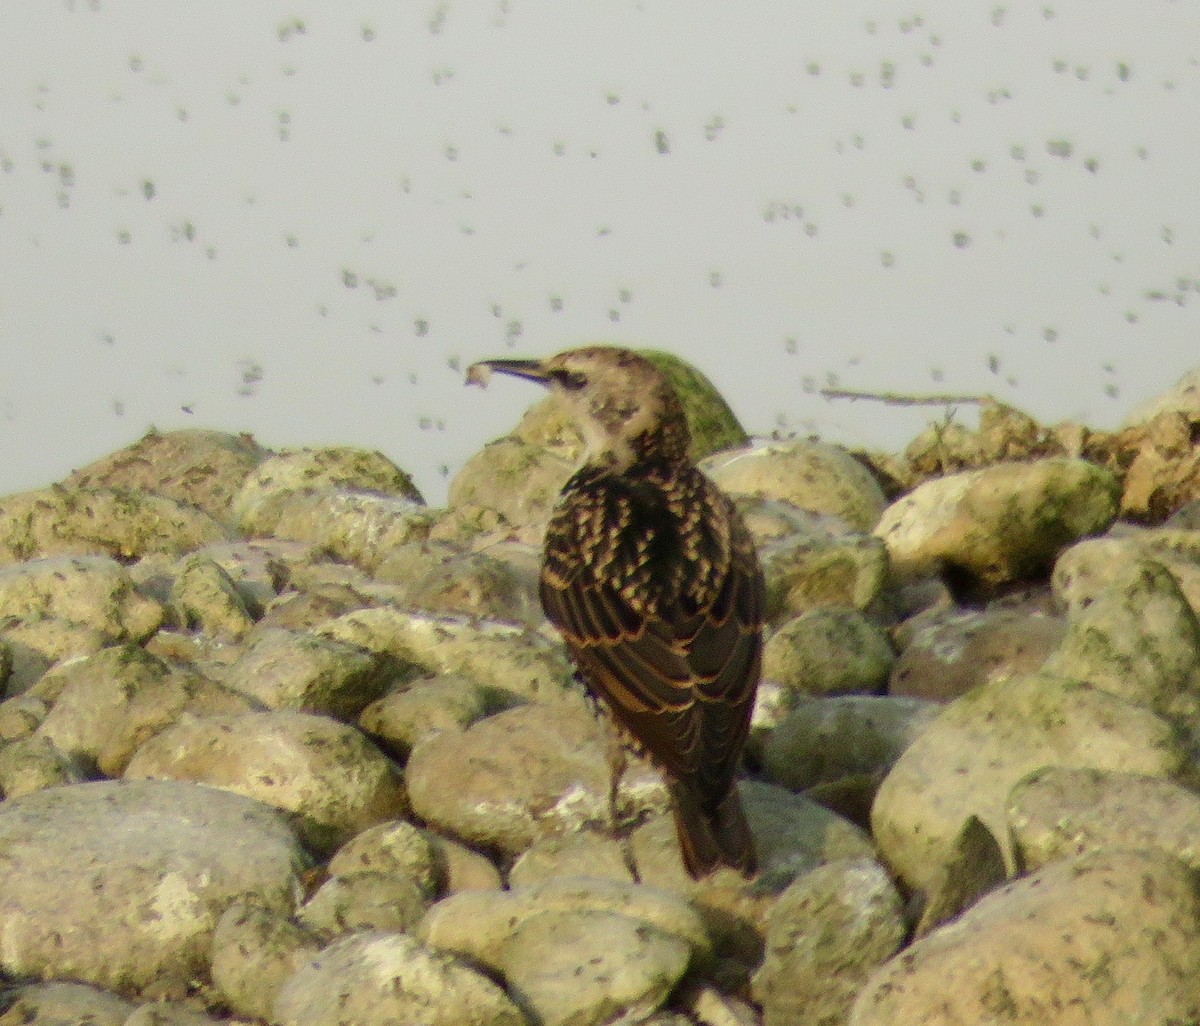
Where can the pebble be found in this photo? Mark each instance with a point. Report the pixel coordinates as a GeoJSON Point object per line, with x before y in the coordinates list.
{"type": "Point", "coordinates": [448, 701]}
{"type": "Point", "coordinates": [106, 705]}
{"type": "Point", "coordinates": [257, 502]}
{"type": "Point", "coordinates": [812, 567]}
{"type": "Point", "coordinates": [479, 925]}
{"type": "Point", "coordinates": [584, 968]}
{"type": "Point", "coordinates": [203, 596]}
{"type": "Point", "coordinates": [203, 468]}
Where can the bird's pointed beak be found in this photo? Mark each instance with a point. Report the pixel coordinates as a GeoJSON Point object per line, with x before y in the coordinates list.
{"type": "Point", "coordinates": [480, 373]}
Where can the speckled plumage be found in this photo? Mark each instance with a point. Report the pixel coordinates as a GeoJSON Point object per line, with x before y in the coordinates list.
{"type": "Point", "coordinates": [651, 577]}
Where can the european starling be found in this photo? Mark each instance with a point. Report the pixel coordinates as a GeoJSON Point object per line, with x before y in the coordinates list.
{"type": "Point", "coordinates": [651, 577]}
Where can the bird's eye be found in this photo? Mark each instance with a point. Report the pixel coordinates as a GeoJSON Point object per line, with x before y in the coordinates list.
{"type": "Point", "coordinates": [572, 381]}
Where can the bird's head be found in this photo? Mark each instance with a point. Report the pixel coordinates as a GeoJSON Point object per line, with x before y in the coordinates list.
{"type": "Point", "coordinates": [622, 404]}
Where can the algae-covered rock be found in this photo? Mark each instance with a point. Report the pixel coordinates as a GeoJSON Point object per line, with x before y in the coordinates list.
{"type": "Point", "coordinates": [1007, 522]}
{"type": "Point", "coordinates": [967, 760]}
{"type": "Point", "coordinates": [116, 522]}
{"type": "Point", "coordinates": [195, 466]}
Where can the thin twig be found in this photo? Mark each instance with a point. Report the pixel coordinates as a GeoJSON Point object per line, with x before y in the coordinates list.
{"type": "Point", "coordinates": [900, 398]}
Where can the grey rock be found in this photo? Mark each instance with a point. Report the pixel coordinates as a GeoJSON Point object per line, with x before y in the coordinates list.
{"type": "Point", "coordinates": [307, 672]}
{"type": "Point", "coordinates": [708, 1007]}
{"type": "Point", "coordinates": [587, 968]}
{"type": "Point", "coordinates": [204, 597]}
{"type": "Point", "coordinates": [974, 867]}
{"type": "Point", "coordinates": [108, 704]}
{"type": "Point", "coordinates": [374, 978]}
{"type": "Point", "coordinates": [1182, 397]}
{"type": "Point", "coordinates": [1055, 813]}
{"type": "Point", "coordinates": [395, 848]}
{"type": "Point", "coordinates": [513, 659]}
{"type": "Point", "coordinates": [314, 470]}
{"type": "Point", "coordinates": [361, 527]}
{"type": "Point", "coordinates": [440, 577]}
{"type": "Point", "coordinates": [961, 649]}
{"type": "Point", "coordinates": [507, 483]}
{"type": "Point", "coordinates": [20, 716]}
{"type": "Point", "coordinates": [777, 520]}
{"type": "Point", "coordinates": [826, 739]}
{"type": "Point", "coordinates": [309, 602]}
{"type": "Point", "coordinates": [33, 763]}
{"type": "Point", "coordinates": [1186, 518]}
{"type": "Point", "coordinates": [828, 651]}
{"type": "Point", "coordinates": [792, 835]}
{"type": "Point", "coordinates": [198, 467]}
{"type": "Point", "coordinates": [826, 934]}
{"type": "Point", "coordinates": [1110, 935]}
{"type": "Point", "coordinates": [1135, 636]}
{"type": "Point", "coordinates": [364, 901]}
{"type": "Point", "coordinates": [326, 775]}
{"type": "Point", "coordinates": [91, 591]}
{"type": "Point", "coordinates": [523, 774]}
{"type": "Point", "coordinates": [807, 570]}
{"type": "Point", "coordinates": [811, 475]}
{"type": "Point", "coordinates": [968, 759]}
{"type": "Point", "coordinates": [449, 701]}
{"type": "Point", "coordinates": [587, 853]}
{"type": "Point", "coordinates": [1091, 566]}
{"type": "Point", "coordinates": [65, 1004]}
{"type": "Point", "coordinates": [171, 1013]}
{"type": "Point", "coordinates": [120, 883]}
{"type": "Point", "coordinates": [36, 645]}
{"type": "Point", "coordinates": [255, 948]}
{"type": "Point", "coordinates": [999, 524]}
{"type": "Point", "coordinates": [478, 925]}
{"type": "Point", "coordinates": [259, 568]}
{"type": "Point", "coordinates": [461, 868]}
{"type": "Point", "coordinates": [121, 524]}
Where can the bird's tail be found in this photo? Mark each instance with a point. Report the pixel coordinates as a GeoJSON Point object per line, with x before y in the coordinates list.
{"type": "Point", "coordinates": [711, 837]}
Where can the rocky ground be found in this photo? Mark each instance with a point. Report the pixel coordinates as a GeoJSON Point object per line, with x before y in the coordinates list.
{"type": "Point", "coordinates": [280, 742]}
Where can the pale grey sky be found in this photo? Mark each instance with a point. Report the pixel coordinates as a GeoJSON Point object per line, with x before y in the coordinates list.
{"type": "Point", "coordinates": [298, 219]}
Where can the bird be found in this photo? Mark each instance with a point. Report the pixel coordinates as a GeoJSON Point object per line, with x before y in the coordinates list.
{"type": "Point", "coordinates": [650, 575]}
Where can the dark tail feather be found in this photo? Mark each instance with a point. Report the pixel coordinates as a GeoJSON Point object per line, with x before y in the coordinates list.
{"type": "Point", "coordinates": [712, 838]}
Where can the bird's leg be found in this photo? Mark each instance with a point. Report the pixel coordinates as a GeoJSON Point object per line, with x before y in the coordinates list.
{"type": "Point", "coordinates": [618, 761]}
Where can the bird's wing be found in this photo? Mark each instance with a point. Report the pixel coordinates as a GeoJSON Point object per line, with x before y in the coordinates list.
{"type": "Point", "coordinates": [681, 681]}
